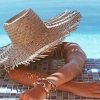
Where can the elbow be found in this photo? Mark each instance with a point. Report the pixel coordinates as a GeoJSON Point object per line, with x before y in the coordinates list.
{"type": "Point", "coordinates": [77, 61]}
{"type": "Point", "coordinates": [79, 58]}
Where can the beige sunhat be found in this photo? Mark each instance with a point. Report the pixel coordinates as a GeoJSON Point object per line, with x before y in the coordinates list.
{"type": "Point", "coordinates": [31, 36]}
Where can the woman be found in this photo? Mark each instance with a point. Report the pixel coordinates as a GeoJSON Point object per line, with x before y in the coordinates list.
{"type": "Point", "coordinates": [74, 64]}
{"type": "Point", "coordinates": [31, 40]}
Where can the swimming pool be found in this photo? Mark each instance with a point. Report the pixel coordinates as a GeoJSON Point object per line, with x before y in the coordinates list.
{"type": "Point", "coordinates": [88, 33]}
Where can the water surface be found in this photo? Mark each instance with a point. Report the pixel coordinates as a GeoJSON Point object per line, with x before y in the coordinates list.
{"type": "Point", "coordinates": [88, 33]}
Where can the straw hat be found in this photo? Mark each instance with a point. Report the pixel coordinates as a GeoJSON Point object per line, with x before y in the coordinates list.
{"type": "Point", "coordinates": [31, 36]}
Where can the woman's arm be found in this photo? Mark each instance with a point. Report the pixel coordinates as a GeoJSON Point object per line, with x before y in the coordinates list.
{"type": "Point", "coordinates": [74, 64]}
{"type": "Point", "coordinates": [75, 60]}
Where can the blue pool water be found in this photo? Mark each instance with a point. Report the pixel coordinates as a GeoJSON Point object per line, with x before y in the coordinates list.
{"type": "Point", "coordinates": [87, 34]}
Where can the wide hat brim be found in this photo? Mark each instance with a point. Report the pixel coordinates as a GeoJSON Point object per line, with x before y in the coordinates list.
{"type": "Point", "coordinates": [59, 27]}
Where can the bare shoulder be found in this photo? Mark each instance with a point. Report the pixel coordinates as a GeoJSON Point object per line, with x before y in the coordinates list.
{"type": "Point", "coordinates": [69, 44]}
{"type": "Point", "coordinates": [74, 49]}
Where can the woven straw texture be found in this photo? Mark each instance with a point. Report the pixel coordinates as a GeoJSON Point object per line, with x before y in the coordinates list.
{"type": "Point", "coordinates": [31, 36]}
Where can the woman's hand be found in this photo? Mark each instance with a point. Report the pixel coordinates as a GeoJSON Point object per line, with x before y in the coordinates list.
{"type": "Point", "coordinates": [85, 89]}
{"type": "Point", "coordinates": [36, 93]}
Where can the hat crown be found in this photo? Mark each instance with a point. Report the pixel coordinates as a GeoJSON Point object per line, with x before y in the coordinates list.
{"type": "Point", "coordinates": [22, 27]}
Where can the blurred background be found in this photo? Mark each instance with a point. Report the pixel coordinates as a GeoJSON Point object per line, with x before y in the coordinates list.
{"type": "Point", "coordinates": [88, 33]}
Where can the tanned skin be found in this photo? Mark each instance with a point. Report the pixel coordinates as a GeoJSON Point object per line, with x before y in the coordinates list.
{"type": "Point", "coordinates": [74, 63]}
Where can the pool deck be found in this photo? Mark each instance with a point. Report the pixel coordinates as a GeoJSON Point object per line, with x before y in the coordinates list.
{"type": "Point", "coordinates": [10, 90]}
